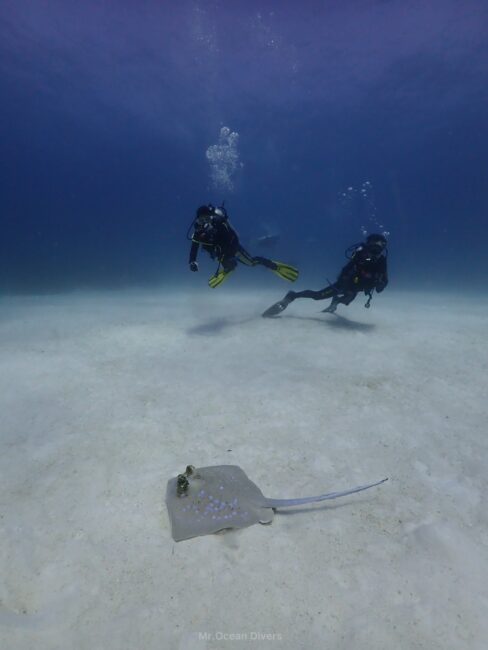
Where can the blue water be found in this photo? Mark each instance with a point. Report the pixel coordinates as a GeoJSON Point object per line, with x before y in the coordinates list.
{"type": "Point", "coordinates": [351, 117]}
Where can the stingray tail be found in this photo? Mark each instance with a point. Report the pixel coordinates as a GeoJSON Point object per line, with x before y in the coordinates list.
{"type": "Point", "coordinates": [284, 503]}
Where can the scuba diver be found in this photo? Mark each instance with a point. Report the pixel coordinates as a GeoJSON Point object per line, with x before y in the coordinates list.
{"type": "Point", "coordinates": [365, 271]}
{"type": "Point", "coordinates": [213, 232]}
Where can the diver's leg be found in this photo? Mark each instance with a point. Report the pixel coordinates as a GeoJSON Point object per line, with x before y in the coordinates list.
{"type": "Point", "coordinates": [228, 263]}
{"type": "Point", "coordinates": [280, 306]}
{"type": "Point", "coordinates": [341, 298]}
{"type": "Point", "coordinates": [322, 294]}
{"type": "Point", "coordinates": [246, 258]}
{"type": "Point", "coordinates": [282, 270]}
{"type": "Point", "coordinates": [332, 291]}
{"type": "Point", "coordinates": [264, 261]}
{"type": "Point", "coordinates": [333, 305]}
{"type": "Point", "coordinates": [347, 297]}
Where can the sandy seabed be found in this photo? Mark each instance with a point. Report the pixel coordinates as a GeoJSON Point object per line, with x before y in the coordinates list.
{"type": "Point", "coordinates": [105, 396]}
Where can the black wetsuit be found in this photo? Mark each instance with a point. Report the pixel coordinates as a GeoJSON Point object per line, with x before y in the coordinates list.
{"type": "Point", "coordinates": [363, 272]}
{"type": "Point", "coordinates": [217, 237]}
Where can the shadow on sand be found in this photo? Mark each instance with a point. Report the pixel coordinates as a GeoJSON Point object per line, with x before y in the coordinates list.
{"type": "Point", "coordinates": [216, 326]}
{"type": "Point", "coordinates": [338, 322]}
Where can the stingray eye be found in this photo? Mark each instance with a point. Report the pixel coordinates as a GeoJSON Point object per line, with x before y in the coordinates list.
{"type": "Point", "coordinates": [182, 485]}
{"type": "Point", "coordinates": [190, 470]}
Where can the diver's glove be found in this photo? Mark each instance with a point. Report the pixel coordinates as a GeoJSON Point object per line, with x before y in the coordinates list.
{"type": "Point", "coordinates": [193, 266]}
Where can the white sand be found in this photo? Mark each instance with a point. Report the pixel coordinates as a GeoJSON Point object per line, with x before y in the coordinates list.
{"type": "Point", "coordinates": [103, 397]}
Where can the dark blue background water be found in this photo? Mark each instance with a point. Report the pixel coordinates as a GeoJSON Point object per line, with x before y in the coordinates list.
{"type": "Point", "coordinates": [108, 109]}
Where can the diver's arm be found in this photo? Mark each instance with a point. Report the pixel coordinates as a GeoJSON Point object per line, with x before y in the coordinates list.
{"type": "Point", "coordinates": [193, 256]}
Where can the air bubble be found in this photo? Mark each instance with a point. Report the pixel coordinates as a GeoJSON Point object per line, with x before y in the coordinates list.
{"type": "Point", "coordinates": [223, 158]}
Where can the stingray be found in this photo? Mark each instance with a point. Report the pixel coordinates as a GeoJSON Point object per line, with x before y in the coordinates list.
{"type": "Point", "coordinates": [209, 499]}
